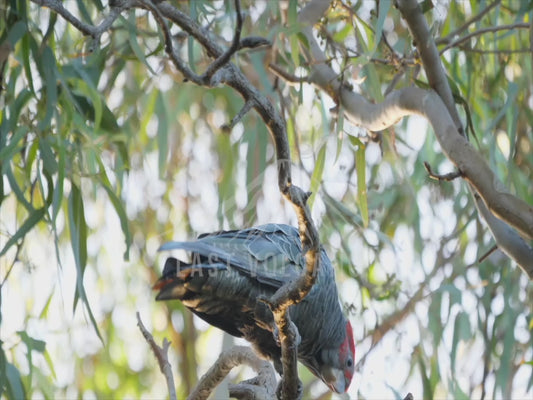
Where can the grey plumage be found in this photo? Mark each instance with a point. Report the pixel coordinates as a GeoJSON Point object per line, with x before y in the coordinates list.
{"type": "Point", "coordinates": [227, 273]}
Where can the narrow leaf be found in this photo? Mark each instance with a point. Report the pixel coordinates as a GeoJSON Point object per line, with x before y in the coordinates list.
{"type": "Point", "coordinates": [34, 217]}
{"type": "Point", "coordinates": [361, 183]}
{"type": "Point", "coordinates": [119, 207]}
{"type": "Point", "coordinates": [133, 34]}
{"type": "Point", "coordinates": [48, 63]}
{"type": "Point", "coordinates": [316, 177]}
{"type": "Point", "coordinates": [15, 389]}
{"type": "Point", "coordinates": [162, 133]}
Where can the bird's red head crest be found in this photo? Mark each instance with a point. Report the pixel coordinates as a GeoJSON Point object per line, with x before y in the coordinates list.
{"type": "Point", "coordinates": [348, 354]}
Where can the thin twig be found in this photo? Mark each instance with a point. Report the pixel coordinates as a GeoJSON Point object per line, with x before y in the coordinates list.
{"type": "Point", "coordinates": [235, 45]}
{"type": "Point", "coordinates": [290, 79]}
{"type": "Point", "coordinates": [491, 29]}
{"type": "Point", "coordinates": [450, 176]}
{"type": "Point", "coordinates": [465, 26]}
{"type": "Point", "coordinates": [487, 253]}
{"type": "Point", "coordinates": [161, 356]}
{"type": "Point", "coordinates": [496, 51]}
{"type": "Point", "coordinates": [169, 48]}
{"type": "Point", "coordinates": [87, 29]}
{"type": "Point", "coordinates": [247, 106]}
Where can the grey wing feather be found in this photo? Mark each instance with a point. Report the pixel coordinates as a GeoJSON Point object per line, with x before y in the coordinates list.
{"type": "Point", "coordinates": [270, 254]}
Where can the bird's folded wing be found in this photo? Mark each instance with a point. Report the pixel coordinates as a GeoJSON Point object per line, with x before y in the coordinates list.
{"type": "Point", "coordinates": [269, 254]}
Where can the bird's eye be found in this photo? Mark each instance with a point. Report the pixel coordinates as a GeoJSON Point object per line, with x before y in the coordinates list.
{"type": "Point", "coordinates": [349, 363]}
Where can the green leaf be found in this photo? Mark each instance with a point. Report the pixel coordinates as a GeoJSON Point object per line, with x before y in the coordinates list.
{"type": "Point", "coordinates": [162, 134]}
{"type": "Point", "coordinates": [48, 157]}
{"type": "Point", "coordinates": [119, 207]}
{"type": "Point", "coordinates": [435, 323]}
{"type": "Point", "coordinates": [295, 50]}
{"type": "Point", "coordinates": [361, 183]}
{"type": "Point", "coordinates": [383, 10]}
{"type": "Point", "coordinates": [458, 393]}
{"type": "Point", "coordinates": [454, 292]}
{"type": "Point", "coordinates": [31, 344]}
{"type": "Point", "coordinates": [133, 34]}
{"type": "Point", "coordinates": [316, 177]}
{"type": "Point", "coordinates": [28, 46]}
{"type": "Point", "coordinates": [78, 240]}
{"type": "Point", "coordinates": [34, 217]}
{"type": "Point", "coordinates": [84, 12]}
{"type": "Point", "coordinates": [48, 63]}
{"type": "Point", "coordinates": [255, 167]}
{"type": "Point", "coordinates": [461, 331]}
{"type": "Point", "coordinates": [148, 112]}
{"type": "Point", "coordinates": [340, 133]}
{"type": "Point", "coordinates": [15, 390]}
{"type": "Point", "coordinates": [16, 107]}
{"type": "Point", "coordinates": [426, 383]}
{"type": "Point", "coordinates": [426, 5]}
{"type": "Point", "coordinates": [15, 144]}
{"type": "Point", "coordinates": [94, 108]}
{"type": "Point", "coordinates": [58, 188]}
{"type": "Point", "coordinates": [17, 31]}
{"type": "Point", "coordinates": [13, 184]}
{"type": "Point", "coordinates": [78, 236]}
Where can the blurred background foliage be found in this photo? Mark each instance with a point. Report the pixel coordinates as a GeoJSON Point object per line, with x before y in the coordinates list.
{"type": "Point", "coordinates": [105, 154]}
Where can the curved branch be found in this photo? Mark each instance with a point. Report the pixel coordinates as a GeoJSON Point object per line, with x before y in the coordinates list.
{"type": "Point", "coordinates": [429, 54]}
{"type": "Point", "coordinates": [429, 104]}
{"type": "Point", "coordinates": [263, 386]}
{"type": "Point", "coordinates": [508, 241]}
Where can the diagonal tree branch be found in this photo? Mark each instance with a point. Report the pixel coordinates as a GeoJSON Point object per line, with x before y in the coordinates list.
{"type": "Point", "coordinates": [429, 104]}
{"type": "Point", "coordinates": [506, 238]}
{"type": "Point", "coordinates": [429, 54]}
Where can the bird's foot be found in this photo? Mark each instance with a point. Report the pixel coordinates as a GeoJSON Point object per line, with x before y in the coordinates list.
{"type": "Point", "coordinates": [280, 390]}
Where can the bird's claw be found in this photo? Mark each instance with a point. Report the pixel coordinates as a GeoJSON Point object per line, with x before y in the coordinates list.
{"type": "Point", "coordinates": [279, 390]}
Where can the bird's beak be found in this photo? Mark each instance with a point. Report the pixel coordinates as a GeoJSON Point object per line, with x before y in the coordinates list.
{"type": "Point", "coordinates": [333, 377]}
{"type": "Point", "coordinates": [335, 380]}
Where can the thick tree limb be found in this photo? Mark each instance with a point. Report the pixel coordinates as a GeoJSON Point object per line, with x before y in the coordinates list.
{"type": "Point", "coordinates": [429, 104]}
{"type": "Point", "coordinates": [429, 54]}
{"type": "Point", "coordinates": [262, 387]}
